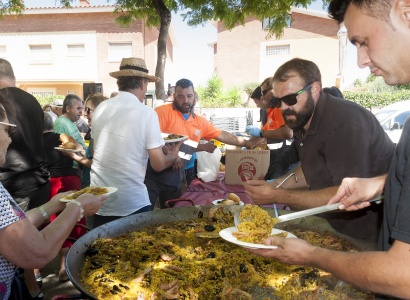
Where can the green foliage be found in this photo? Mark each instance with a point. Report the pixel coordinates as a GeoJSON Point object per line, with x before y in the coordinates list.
{"type": "Point", "coordinates": [213, 95]}
{"type": "Point", "coordinates": [250, 87]}
{"type": "Point", "coordinates": [49, 99]}
{"type": "Point", "coordinates": [369, 99]}
{"type": "Point", "coordinates": [375, 92]}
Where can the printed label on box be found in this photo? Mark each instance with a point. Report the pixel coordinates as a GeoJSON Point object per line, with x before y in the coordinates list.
{"type": "Point", "coordinates": [242, 165]}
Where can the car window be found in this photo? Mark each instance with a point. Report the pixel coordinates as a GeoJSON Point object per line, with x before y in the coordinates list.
{"type": "Point", "coordinates": [383, 115]}
{"type": "Point", "coordinates": [401, 118]}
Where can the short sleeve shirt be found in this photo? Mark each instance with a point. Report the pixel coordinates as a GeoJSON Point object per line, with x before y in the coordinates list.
{"type": "Point", "coordinates": [65, 125]}
{"type": "Point", "coordinates": [195, 127]}
{"type": "Point", "coordinates": [123, 130]}
{"type": "Point", "coordinates": [345, 140]}
{"type": "Point", "coordinates": [396, 225]}
{"type": "Point", "coordinates": [274, 119]}
{"type": "Point", "coordinates": [9, 214]}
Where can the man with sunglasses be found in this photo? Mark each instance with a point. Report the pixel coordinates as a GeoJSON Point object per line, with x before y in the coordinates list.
{"type": "Point", "coordinates": [275, 129]}
{"type": "Point", "coordinates": [334, 139]}
{"type": "Point", "coordinates": [380, 30]}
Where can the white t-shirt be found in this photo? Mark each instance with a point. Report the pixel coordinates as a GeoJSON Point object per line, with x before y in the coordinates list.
{"type": "Point", "coordinates": [123, 130]}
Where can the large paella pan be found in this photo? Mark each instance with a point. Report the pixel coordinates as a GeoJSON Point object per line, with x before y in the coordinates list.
{"type": "Point", "coordinates": [232, 277]}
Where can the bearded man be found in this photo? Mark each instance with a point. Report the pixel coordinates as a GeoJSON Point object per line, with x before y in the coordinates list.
{"type": "Point", "coordinates": [335, 139]}
{"type": "Point", "coordinates": [179, 118]}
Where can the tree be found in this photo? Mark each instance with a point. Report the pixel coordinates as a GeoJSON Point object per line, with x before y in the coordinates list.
{"type": "Point", "coordinates": [158, 13]}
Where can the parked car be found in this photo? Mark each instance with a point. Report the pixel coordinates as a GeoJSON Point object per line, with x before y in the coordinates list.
{"type": "Point", "coordinates": [393, 117]}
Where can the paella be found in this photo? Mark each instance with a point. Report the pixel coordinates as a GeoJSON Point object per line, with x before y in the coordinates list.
{"type": "Point", "coordinates": [171, 261]}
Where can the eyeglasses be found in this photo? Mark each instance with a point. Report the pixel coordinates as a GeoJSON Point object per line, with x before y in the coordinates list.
{"type": "Point", "coordinates": [290, 99]}
{"type": "Point", "coordinates": [11, 128]}
{"type": "Point", "coordinates": [88, 110]}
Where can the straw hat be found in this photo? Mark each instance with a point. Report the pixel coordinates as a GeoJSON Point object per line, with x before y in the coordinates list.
{"type": "Point", "coordinates": [134, 66]}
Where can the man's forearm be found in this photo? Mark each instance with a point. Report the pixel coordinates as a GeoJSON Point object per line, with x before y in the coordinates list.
{"type": "Point", "coordinates": [305, 199]}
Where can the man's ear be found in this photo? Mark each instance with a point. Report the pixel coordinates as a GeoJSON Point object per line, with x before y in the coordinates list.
{"type": "Point", "coordinates": [403, 8]}
{"type": "Point", "coordinates": [316, 88]}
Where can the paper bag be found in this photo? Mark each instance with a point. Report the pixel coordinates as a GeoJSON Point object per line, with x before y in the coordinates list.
{"type": "Point", "coordinates": [208, 165]}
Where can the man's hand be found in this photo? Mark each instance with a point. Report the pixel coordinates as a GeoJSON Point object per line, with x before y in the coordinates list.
{"type": "Point", "coordinates": [292, 251]}
{"type": "Point", "coordinates": [354, 193]}
{"type": "Point", "coordinates": [208, 147]}
{"type": "Point", "coordinates": [260, 191]}
{"type": "Point", "coordinates": [253, 131]}
{"type": "Point", "coordinates": [177, 164]}
{"type": "Point", "coordinates": [172, 149]}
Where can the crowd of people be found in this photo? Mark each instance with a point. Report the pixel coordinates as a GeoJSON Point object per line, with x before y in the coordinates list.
{"type": "Point", "coordinates": [339, 152]}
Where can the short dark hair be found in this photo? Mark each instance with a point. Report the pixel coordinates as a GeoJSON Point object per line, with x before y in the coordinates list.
{"type": "Point", "coordinates": [3, 113]}
{"type": "Point", "coordinates": [69, 100]}
{"type": "Point", "coordinates": [334, 91]}
{"type": "Point", "coordinates": [6, 70]}
{"type": "Point", "coordinates": [257, 93]}
{"type": "Point", "coordinates": [48, 121]}
{"type": "Point", "coordinates": [126, 83]}
{"type": "Point", "coordinates": [306, 69]}
{"type": "Point", "coordinates": [268, 81]}
{"type": "Point", "coordinates": [184, 83]}
{"type": "Point", "coordinates": [379, 9]}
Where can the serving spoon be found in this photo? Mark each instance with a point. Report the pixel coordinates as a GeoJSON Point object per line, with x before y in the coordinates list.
{"type": "Point", "coordinates": [308, 212]}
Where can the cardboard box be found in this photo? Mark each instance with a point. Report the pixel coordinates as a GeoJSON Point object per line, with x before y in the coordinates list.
{"type": "Point", "coordinates": [245, 164]}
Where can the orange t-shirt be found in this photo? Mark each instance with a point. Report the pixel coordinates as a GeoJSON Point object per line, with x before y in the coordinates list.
{"type": "Point", "coordinates": [275, 119]}
{"type": "Point", "coordinates": [195, 127]}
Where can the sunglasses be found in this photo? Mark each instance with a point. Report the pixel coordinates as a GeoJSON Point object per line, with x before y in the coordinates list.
{"type": "Point", "coordinates": [290, 99]}
{"type": "Point", "coordinates": [11, 128]}
{"type": "Point", "coordinates": [264, 92]}
{"type": "Point", "coordinates": [88, 110]}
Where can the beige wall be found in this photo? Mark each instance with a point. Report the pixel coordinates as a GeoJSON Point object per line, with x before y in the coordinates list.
{"type": "Point", "coordinates": [241, 53]}
{"type": "Point", "coordinates": [93, 29]}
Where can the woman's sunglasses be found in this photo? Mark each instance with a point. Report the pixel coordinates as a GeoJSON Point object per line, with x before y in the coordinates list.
{"type": "Point", "coordinates": [290, 99]}
{"type": "Point", "coordinates": [11, 128]}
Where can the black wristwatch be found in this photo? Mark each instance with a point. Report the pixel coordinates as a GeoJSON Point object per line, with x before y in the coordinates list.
{"type": "Point", "coordinates": [261, 133]}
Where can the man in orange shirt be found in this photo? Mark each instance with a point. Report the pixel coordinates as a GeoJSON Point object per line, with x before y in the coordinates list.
{"type": "Point", "coordinates": [179, 118]}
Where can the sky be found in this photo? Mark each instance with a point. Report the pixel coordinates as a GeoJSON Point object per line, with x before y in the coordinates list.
{"type": "Point", "coordinates": [193, 58]}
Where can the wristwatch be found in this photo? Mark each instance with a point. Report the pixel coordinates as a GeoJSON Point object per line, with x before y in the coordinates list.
{"type": "Point", "coordinates": [261, 133]}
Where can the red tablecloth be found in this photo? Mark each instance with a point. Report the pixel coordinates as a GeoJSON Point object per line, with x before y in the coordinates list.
{"type": "Point", "coordinates": [203, 193]}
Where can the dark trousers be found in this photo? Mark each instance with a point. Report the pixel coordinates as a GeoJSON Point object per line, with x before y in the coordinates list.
{"type": "Point", "coordinates": [161, 191]}
{"type": "Point", "coordinates": [100, 220]}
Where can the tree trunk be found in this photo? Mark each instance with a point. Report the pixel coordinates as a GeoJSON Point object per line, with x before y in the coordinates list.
{"type": "Point", "coordinates": [165, 17]}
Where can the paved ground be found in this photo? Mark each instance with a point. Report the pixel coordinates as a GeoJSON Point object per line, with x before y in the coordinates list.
{"type": "Point", "coordinates": [52, 287]}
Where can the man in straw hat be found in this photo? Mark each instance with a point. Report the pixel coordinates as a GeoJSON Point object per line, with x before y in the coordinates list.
{"type": "Point", "coordinates": [126, 133]}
